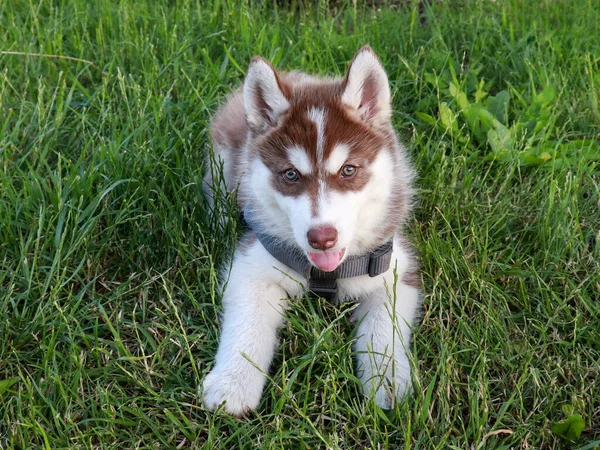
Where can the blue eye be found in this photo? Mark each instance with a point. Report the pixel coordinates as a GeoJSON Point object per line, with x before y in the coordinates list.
{"type": "Point", "coordinates": [291, 175]}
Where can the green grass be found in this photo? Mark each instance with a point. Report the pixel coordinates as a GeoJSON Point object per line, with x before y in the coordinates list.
{"type": "Point", "coordinates": [109, 298]}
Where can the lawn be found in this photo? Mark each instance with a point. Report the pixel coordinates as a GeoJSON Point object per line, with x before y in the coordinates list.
{"type": "Point", "coordinates": [109, 292]}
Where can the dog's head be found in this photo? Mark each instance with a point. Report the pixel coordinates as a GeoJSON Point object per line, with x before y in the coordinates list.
{"type": "Point", "coordinates": [325, 171]}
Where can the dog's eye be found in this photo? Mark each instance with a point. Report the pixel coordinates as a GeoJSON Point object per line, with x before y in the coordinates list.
{"type": "Point", "coordinates": [291, 175]}
{"type": "Point", "coordinates": [348, 171]}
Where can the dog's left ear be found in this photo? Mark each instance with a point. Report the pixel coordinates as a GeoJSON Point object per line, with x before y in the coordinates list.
{"type": "Point", "coordinates": [264, 99]}
{"type": "Point", "coordinates": [366, 88]}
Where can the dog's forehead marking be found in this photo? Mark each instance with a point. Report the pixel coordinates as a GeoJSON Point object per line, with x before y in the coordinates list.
{"type": "Point", "coordinates": [337, 157]}
{"type": "Point", "coordinates": [317, 199]}
{"type": "Point", "coordinates": [299, 159]}
{"type": "Point", "coordinates": [317, 116]}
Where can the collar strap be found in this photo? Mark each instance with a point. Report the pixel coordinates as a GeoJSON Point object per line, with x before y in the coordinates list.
{"type": "Point", "coordinates": [322, 283]}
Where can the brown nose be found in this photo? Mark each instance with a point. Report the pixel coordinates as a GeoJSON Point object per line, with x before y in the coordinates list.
{"type": "Point", "coordinates": [322, 238]}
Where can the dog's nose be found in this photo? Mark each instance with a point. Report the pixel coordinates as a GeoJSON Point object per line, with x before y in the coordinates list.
{"type": "Point", "coordinates": [322, 238]}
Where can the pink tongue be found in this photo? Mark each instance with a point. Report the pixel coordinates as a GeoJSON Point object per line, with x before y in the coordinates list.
{"type": "Point", "coordinates": [326, 261]}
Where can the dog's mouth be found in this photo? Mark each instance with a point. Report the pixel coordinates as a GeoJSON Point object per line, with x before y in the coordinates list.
{"type": "Point", "coordinates": [327, 261]}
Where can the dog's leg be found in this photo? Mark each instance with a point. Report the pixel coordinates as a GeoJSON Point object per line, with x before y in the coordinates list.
{"type": "Point", "coordinates": [253, 311]}
{"type": "Point", "coordinates": [383, 343]}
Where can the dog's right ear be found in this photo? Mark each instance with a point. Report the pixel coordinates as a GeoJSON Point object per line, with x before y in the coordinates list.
{"type": "Point", "coordinates": [366, 88]}
{"type": "Point", "coordinates": [264, 100]}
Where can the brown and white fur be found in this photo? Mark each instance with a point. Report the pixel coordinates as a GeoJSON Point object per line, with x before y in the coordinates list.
{"type": "Point", "coordinates": [319, 163]}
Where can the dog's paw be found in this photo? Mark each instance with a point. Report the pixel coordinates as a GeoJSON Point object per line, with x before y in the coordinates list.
{"type": "Point", "coordinates": [388, 388]}
{"type": "Point", "coordinates": [240, 394]}
{"type": "Point", "coordinates": [387, 393]}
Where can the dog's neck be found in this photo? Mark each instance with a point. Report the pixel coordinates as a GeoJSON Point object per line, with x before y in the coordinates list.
{"type": "Point", "coordinates": [323, 284]}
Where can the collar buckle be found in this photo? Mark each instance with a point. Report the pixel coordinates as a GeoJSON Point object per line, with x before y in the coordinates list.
{"type": "Point", "coordinates": [379, 261]}
{"type": "Point", "coordinates": [328, 293]}
{"type": "Point", "coordinates": [323, 284]}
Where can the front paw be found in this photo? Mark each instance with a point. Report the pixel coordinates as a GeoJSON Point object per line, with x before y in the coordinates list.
{"type": "Point", "coordinates": [241, 391]}
{"type": "Point", "coordinates": [388, 388]}
{"type": "Point", "coordinates": [386, 393]}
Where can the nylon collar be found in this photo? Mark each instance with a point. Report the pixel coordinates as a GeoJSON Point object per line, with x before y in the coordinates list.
{"type": "Point", "coordinates": [321, 283]}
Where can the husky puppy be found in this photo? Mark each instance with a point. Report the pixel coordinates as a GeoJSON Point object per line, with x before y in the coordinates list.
{"type": "Point", "coordinates": [325, 187]}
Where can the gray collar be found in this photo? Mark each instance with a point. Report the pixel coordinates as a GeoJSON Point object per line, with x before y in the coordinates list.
{"type": "Point", "coordinates": [321, 283]}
